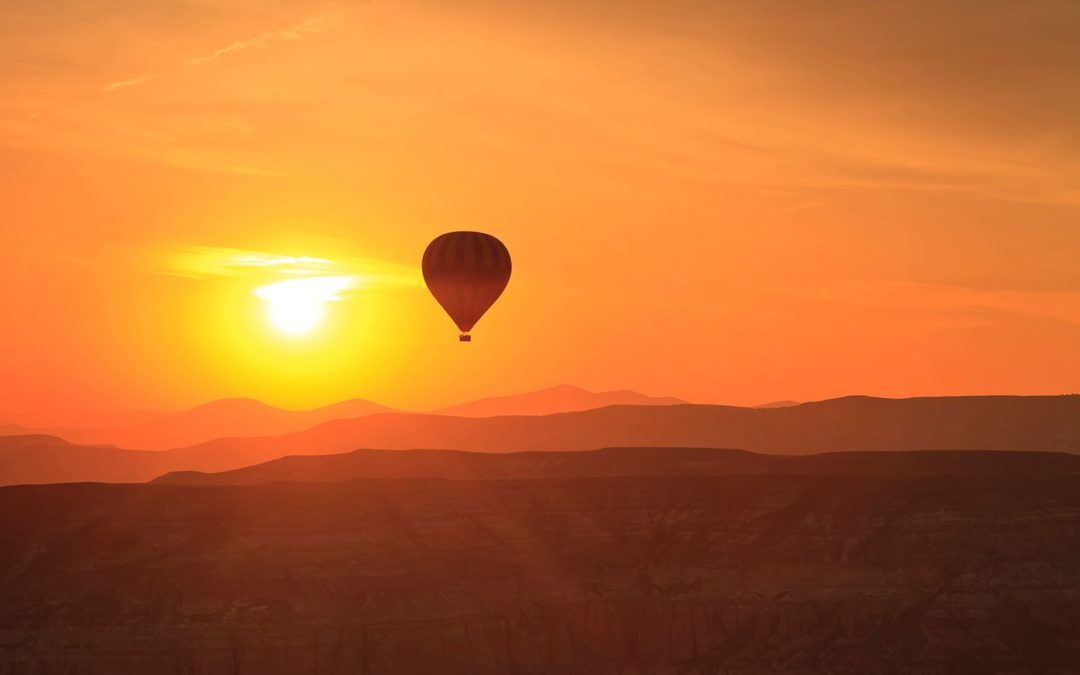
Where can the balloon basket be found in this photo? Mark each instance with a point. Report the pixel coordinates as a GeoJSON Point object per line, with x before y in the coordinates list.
{"type": "Point", "coordinates": [464, 337]}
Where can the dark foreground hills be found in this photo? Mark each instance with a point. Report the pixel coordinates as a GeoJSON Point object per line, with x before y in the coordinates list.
{"type": "Point", "coordinates": [627, 462]}
{"type": "Point", "coordinates": [930, 571]}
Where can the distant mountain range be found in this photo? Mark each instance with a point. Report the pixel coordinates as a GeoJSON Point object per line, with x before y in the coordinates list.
{"type": "Point", "coordinates": [564, 398]}
{"type": "Point", "coordinates": [249, 417]}
{"type": "Point", "coordinates": [47, 459]}
{"type": "Point", "coordinates": [1037, 423]}
{"type": "Point", "coordinates": [777, 404]}
{"type": "Point", "coordinates": [1046, 423]}
{"type": "Point", "coordinates": [217, 419]}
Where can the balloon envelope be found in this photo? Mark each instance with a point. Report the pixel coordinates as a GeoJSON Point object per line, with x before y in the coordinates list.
{"type": "Point", "coordinates": [466, 272]}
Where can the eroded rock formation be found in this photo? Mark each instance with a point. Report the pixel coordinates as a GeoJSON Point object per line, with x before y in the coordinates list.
{"type": "Point", "coordinates": [730, 574]}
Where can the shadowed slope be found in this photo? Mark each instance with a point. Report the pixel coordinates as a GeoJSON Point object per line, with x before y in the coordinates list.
{"type": "Point", "coordinates": [47, 459]}
{"type": "Point", "coordinates": [621, 462]}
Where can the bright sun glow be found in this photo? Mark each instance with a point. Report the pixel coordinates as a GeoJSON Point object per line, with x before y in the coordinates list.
{"type": "Point", "coordinates": [297, 306]}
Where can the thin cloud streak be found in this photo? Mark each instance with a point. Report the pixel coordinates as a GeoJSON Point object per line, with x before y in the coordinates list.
{"type": "Point", "coordinates": [125, 84]}
{"type": "Point", "coordinates": [297, 31]}
{"type": "Point", "coordinates": [195, 261]}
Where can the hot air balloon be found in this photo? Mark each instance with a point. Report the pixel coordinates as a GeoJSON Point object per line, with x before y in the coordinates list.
{"type": "Point", "coordinates": [466, 272]}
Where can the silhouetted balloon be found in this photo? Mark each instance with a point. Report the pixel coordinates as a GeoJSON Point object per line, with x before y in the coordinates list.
{"type": "Point", "coordinates": [466, 272]}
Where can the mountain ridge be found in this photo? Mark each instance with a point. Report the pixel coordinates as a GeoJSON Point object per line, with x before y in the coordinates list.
{"type": "Point", "coordinates": [557, 399]}
{"type": "Point", "coordinates": [1050, 423]}
{"type": "Point", "coordinates": [246, 416]}
{"type": "Point", "coordinates": [216, 419]}
{"type": "Point", "coordinates": [366, 464]}
{"type": "Point", "coordinates": [847, 424]}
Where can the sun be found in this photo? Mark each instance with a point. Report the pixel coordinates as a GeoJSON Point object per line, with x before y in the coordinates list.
{"type": "Point", "coordinates": [297, 306]}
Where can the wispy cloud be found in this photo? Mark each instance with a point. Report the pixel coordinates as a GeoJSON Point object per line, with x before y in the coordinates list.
{"type": "Point", "coordinates": [297, 31]}
{"type": "Point", "coordinates": [200, 262]}
{"type": "Point", "coordinates": [124, 84]}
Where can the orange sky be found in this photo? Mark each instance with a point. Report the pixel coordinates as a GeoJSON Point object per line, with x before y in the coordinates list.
{"type": "Point", "coordinates": [729, 202]}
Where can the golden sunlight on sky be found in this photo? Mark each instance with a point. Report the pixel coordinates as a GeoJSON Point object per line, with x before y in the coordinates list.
{"type": "Point", "coordinates": [733, 202]}
{"type": "Point", "coordinates": [296, 306]}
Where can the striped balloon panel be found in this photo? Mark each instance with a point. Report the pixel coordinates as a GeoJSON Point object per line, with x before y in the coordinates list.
{"type": "Point", "coordinates": [466, 272]}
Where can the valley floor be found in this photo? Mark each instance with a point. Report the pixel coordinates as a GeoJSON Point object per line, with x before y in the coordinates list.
{"type": "Point", "coordinates": [721, 574]}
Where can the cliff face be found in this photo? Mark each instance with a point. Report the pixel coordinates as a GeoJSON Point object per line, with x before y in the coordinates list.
{"type": "Point", "coordinates": [795, 574]}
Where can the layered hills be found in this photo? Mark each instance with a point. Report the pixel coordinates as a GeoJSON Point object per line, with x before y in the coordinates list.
{"type": "Point", "coordinates": [242, 417]}
{"type": "Point", "coordinates": [226, 417]}
{"type": "Point", "coordinates": [1044, 423]}
{"type": "Point", "coordinates": [564, 398]}
{"type": "Point", "coordinates": [1048, 424]}
{"type": "Point", "coordinates": [626, 462]}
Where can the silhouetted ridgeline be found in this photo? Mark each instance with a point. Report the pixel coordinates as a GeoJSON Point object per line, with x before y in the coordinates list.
{"type": "Point", "coordinates": [47, 459]}
{"type": "Point", "coordinates": [225, 417]}
{"type": "Point", "coordinates": [1047, 423]}
{"type": "Point", "coordinates": [624, 462]}
{"type": "Point", "coordinates": [1050, 423]}
{"type": "Point", "coordinates": [235, 417]}
{"type": "Point", "coordinates": [564, 398]}
{"type": "Point", "coordinates": [748, 573]}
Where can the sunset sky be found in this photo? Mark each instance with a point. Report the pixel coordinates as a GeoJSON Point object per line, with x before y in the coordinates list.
{"type": "Point", "coordinates": [729, 202]}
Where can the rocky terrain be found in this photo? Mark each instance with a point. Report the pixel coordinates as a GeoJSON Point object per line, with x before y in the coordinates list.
{"type": "Point", "coordinates": [755, 573]}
